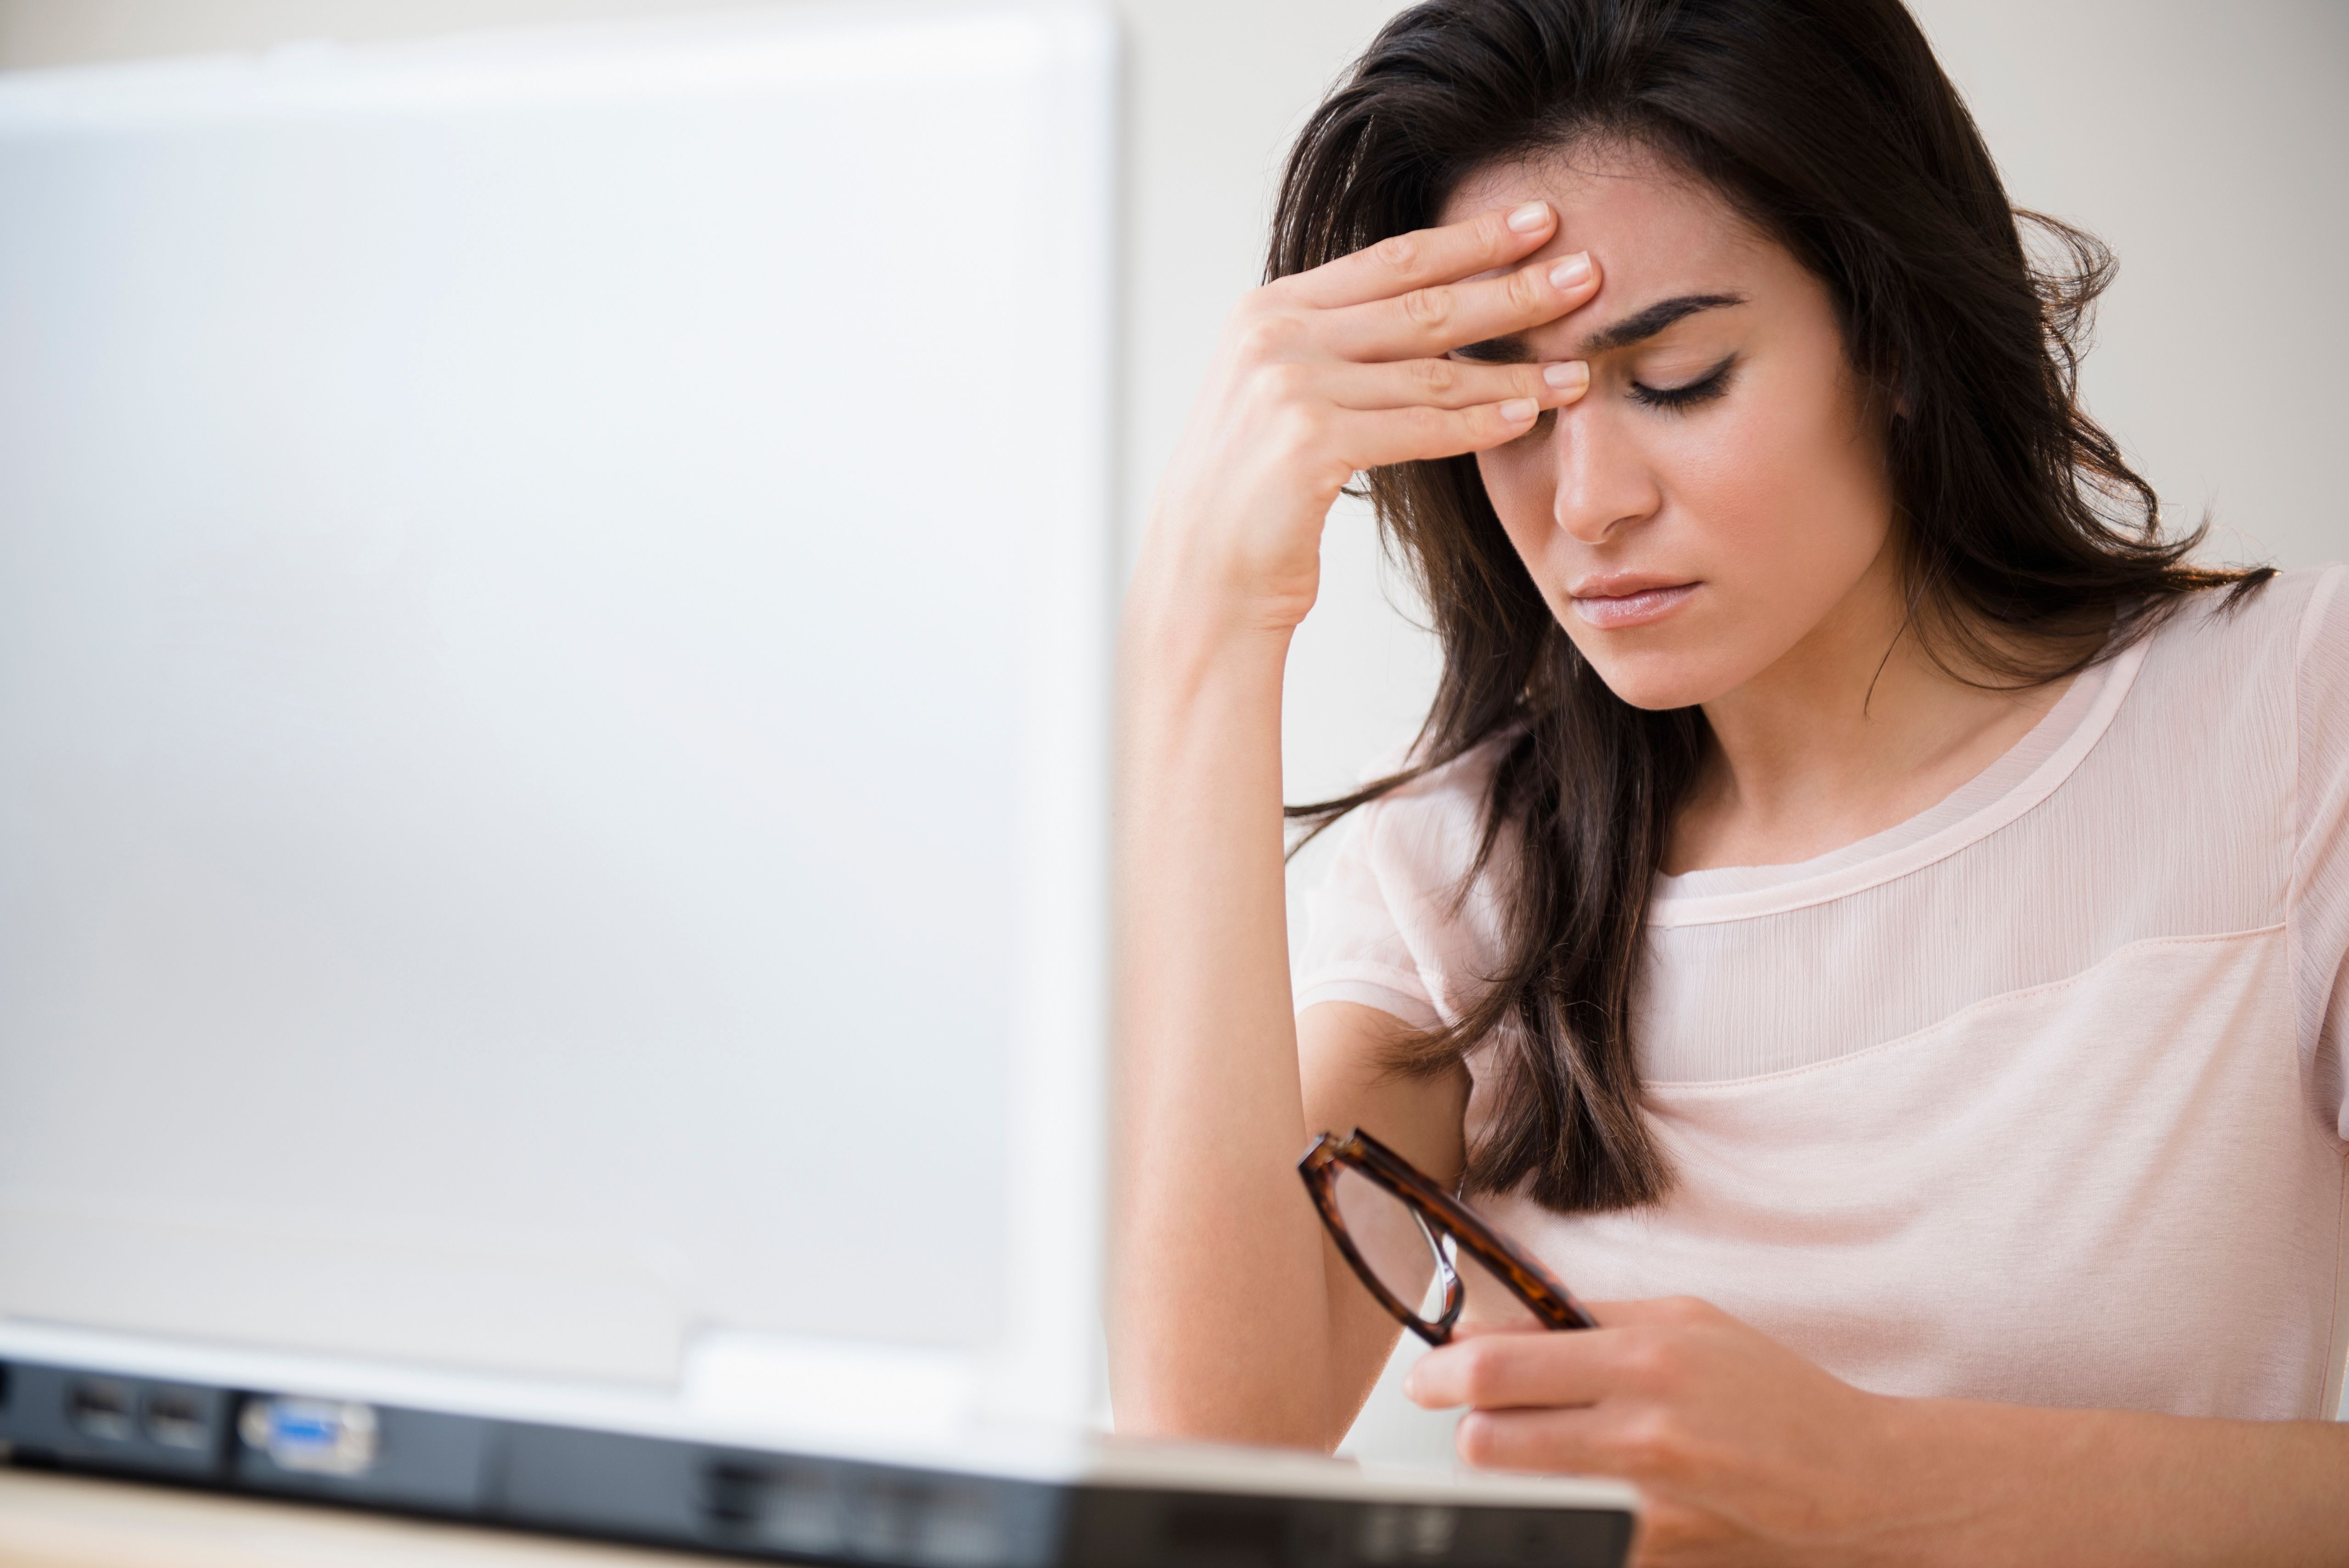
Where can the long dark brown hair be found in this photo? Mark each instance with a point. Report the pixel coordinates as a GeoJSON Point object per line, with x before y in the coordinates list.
{"type": "Point", "coordinates": [2024, 534]}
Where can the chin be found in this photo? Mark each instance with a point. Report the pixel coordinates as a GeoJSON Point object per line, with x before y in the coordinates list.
{"type": "Point", "coordinates": [1660, 681]}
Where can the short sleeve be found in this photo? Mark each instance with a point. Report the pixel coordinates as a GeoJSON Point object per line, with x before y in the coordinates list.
{"type": "Point", "coordinates": [1402, 921]}
{"type": "Point", "coordinates": [2319, 914]}
{"type": "Point", "coordinates": [1355, 949]}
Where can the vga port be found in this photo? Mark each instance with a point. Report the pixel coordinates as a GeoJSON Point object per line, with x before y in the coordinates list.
{"type": "Point", "coordinates": [318, 1437]}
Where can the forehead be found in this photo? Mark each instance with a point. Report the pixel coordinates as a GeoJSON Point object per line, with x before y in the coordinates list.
{"type": "Point", "coordinates": [1654, 231]}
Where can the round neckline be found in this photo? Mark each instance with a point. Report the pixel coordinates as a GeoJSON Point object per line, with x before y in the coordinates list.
{"type": "Point", "coordinates": [2017, 779]}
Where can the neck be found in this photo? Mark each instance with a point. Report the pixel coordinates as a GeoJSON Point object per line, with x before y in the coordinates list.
{"type": "Point", "coordinates": [1853, 731]}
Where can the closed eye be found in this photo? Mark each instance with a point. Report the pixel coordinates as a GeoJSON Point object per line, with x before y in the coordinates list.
{"type": "Point", "coordinates": [1689, 394]}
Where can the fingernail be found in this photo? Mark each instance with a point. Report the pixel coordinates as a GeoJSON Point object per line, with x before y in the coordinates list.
{"type": "Point", "coordinates": [1517, 410]}
{"type": "Point", "coordinates": [1410, 1384]}
{"type": "Point", "coordinates": [1529, 217]}
{"type": "Point", "coordinates": [1567, 372]}
{"type": "Point", "coordinates": [1571, 271]}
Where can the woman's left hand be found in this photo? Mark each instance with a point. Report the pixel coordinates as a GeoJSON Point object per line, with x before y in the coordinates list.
{"type": "Point", "coordinates": [1743, 1451]}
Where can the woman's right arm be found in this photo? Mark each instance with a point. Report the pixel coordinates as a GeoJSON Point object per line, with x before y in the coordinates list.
{"type": "Point", "coordinates": [1231, 1319]}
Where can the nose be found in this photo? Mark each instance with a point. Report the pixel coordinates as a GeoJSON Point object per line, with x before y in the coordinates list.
{"type": "Point", "coordinates": [1602, 483]}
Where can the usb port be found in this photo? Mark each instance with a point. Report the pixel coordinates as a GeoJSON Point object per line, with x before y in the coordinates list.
{"type": "Point", "coordinates": [177, 1419]}
{"type": "Point", "coordinates": [100, 1407]}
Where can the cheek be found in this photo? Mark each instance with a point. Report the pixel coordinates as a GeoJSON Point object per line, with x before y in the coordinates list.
{"type": "Point", "coordinates": [1520, 480]}
{"type": "Point", "coordinates": [1782, 489]}
{"type": "Point", "coordinates": [1784, 506]}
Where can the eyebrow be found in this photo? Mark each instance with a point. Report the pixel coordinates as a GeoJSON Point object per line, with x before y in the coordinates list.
{"type": "Point", "coordinates": [1635, 328]}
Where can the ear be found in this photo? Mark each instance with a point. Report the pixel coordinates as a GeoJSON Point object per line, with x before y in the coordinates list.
{"type": "Point", "coordinates": [1891, 393]}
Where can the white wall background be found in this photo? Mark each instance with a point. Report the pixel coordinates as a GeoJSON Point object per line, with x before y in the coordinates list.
{"type": "Point", "coordinates": [2207, 141]}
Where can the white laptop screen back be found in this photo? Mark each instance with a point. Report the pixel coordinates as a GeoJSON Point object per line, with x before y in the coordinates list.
{"type": "Point", "coordinates": [552, 605]}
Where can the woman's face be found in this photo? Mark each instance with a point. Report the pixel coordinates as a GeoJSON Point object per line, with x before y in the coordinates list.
{"type": "Point", "coordinates": [1718, 500]}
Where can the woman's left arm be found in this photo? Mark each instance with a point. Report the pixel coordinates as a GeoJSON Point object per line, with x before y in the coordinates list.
{"type": "Point", "coordinates": [1747, 1453]}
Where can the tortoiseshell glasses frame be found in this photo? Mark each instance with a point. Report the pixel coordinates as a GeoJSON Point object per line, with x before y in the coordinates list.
{"type": "Point", "coordinates": [1439, 1216]}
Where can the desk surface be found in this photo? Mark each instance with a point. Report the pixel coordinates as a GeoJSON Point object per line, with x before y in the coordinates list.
{"type": "Point", "coordinates": [50, 1520]}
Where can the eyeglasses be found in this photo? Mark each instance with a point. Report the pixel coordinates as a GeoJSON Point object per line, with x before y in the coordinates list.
{"type": "Point", "coordinates": [1406, 1237]}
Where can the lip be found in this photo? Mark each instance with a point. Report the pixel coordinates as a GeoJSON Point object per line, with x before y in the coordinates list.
{"type": "Point", "coordinates": [1617, 599]}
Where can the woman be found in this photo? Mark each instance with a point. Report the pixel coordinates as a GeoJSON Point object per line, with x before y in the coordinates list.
{"type": "Point", "coordinates": [1863, 908]}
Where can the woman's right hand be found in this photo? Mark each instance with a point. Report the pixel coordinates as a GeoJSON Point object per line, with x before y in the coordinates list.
{"type": "Point", "coordinates": [1235, 1319]}
{"type": "Point", "coordinates": [1326, 373]}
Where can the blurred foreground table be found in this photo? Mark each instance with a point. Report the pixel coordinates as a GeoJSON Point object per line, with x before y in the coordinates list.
{"type": "Point", "coordinates": [52, 1521]}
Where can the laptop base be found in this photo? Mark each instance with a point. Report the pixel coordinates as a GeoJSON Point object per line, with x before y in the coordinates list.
{"type": "Point", "coordinates": [1120, 1509]}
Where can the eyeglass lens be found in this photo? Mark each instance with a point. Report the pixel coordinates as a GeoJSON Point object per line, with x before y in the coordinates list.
{"type": "Point", "coordinates": [1402, 1253]}
{"type": "Point", "coordinates": [1391, 1239]}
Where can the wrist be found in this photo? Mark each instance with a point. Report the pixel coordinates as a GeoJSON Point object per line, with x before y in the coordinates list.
{"type": "Point", "coordinates": [1199, 683]}
{"type": "Point", "coordinates": [1977, 1481]}
{"type": "Point", "coordinates": [1229, 572]}
{"type": "Point", "coordinates": [1179, 629]}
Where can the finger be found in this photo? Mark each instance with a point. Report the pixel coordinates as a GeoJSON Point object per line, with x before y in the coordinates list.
{"type": "Point", "coordinates": [1666, 1311]}
{"type": "Point", "coordinates": [1661, 1311]}
{"type": "Point", "coordinates": [1452, 384]}
{"type": "Point", "coordinates": [1644, 1443]}
{"type": "Point", "coordinates": [1373, 439]}
{"type": "Point", "coordinates": [1439, 317]}
{"type": "Point", "coordinates": [1511, 1371]}
{"type": "Point", "coordinates": [1405, 262]}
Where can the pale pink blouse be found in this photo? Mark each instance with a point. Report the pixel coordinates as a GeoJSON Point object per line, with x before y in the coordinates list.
{"type": "Point", "coordinates": [2036, 1096]}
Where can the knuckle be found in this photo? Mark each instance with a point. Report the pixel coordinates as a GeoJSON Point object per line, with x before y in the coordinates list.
{"type": "Point", "coordinates": [1652, 1441]}
{"type": "Point", "coordinates": [1255, 306]}
{"type": "Point", "coordinates": [1399, 253]}
{"type": "Point", "coordinates": [1652, 1361]}
{"type": "Point", "coordinates": [1524, 289]}
{"type": "Point", "coordinates": [1428, 308]}
{"type": "Point", "coordinates": [1430, 425]}
{"type": "Point", "coordinates": [1475, 1438]}
{"type": "Point", "coordinates": [1437, 377]}
{"type": "Point", "coordinates": [1269, 334]}
{"type": "Point", "coordinates": [1300, 431]}
{"type": "Point", "coordinates": [1494, 1374]}
{"type": "Point", "coordinates": [1286, 382]}
{"type": "Point", "coordinates": [1483, 424]}
{"type": "Point", "coordinates": [1480, 1380]}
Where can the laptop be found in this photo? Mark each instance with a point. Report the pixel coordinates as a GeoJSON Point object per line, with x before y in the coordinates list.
{"type": "Point", "coordinates": [556, 614]}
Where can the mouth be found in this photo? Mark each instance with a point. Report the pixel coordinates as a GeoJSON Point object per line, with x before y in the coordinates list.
{"type": "Point", "coordinates": [1611, 604]}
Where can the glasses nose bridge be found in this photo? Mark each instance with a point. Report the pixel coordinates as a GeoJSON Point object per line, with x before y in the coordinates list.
{"type": "Point", "coordinates": [1447, 1271]}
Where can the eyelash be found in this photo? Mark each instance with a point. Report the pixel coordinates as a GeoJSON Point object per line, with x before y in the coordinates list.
{"type": "Point", "coordinates": [1680, 400]}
